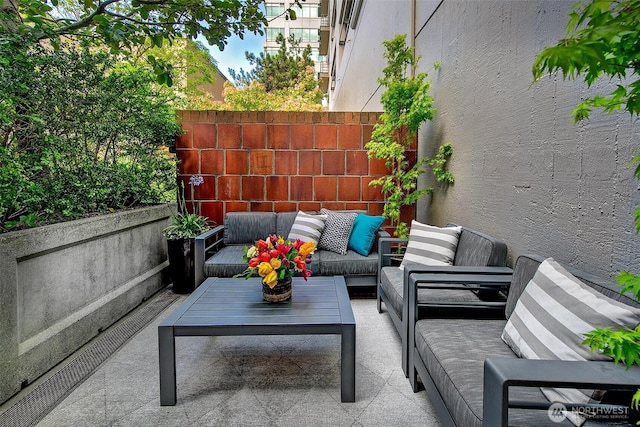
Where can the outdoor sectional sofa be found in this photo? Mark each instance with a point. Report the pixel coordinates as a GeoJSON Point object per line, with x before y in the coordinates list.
{"type": "Point", "coordinates": [474, 249]}
{"type": "Point", "coordinates": [474, 378]}
{"type": "Point", "coordinates": [218, 253]}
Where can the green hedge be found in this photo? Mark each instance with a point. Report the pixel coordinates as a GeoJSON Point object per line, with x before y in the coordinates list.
{"type": "Point", "coordinates": [79, 133]}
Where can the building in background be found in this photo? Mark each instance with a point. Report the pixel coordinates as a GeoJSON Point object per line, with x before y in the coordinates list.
{"type": "Point", "coordinates": [216, 89]}
{"type": "Point", "coordinates": [310, 18]}
{"type": "Point", "coordinates": [344, 16]}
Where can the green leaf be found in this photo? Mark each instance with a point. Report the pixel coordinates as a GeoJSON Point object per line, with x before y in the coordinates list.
{"type": "Point", "coordinates": [157, 40]}
{"type": "Point", "coordinates": [629, 283]}
{"type": "Point", "coordinates": [635, 401]}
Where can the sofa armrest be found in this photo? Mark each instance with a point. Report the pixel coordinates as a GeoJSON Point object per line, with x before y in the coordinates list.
{"type": "Point", "coordinates": [385, 244]}
{"type": "Point", "coordinates": [381, 234]}
{"type": "Point", "coordinates": [206, 243]}
{"type": "Point", "coordinates": [453, 277]}
{"type": "Point", "coordinates": [500, 374]}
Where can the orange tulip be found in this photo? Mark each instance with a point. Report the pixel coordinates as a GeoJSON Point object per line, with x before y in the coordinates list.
{"type": "Point", "coordinates": [306, 249]}
{"type": "Point", "coordinates": [275, 263]}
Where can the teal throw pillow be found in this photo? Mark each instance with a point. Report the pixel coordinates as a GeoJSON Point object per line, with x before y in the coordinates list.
{"type": "Point", "coordinates": [363, 234]}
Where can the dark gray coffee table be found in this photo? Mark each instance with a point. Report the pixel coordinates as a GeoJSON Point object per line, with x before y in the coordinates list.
{"type": "Point", "coordinates": [225, 306]}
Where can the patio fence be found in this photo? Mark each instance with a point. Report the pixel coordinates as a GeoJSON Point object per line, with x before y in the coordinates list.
{"type": "Point", "coordinates": [280, 161]}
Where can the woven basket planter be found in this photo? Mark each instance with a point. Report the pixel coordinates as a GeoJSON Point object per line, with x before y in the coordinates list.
{"type": "Point", "coordinates": [280, 292]}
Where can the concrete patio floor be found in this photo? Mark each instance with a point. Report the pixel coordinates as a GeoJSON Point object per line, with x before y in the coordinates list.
{"type": "Point", "coordinates": [250, 381]}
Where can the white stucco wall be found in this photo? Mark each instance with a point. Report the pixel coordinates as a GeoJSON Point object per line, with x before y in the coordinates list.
{"type": "Point", "coordinates": [524, 171]}
{"type": "Point", "coordinates": [362, 59]}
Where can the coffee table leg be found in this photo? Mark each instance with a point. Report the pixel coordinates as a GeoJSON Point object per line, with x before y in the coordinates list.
{"type": "Point", "coordinates": [167, 352]}
{"type": "Point", "coordinates": [348, 364]}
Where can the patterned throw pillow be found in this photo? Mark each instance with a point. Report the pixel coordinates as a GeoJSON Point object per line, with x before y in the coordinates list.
{"type": "Point", "coordinates": [429, 245]}
{"type": "Point", "coordinates": [337, 230]}
{"type": "Point", "coordinates": [307, 227]}
{"type": "Point", "coordinates": [551, 317]}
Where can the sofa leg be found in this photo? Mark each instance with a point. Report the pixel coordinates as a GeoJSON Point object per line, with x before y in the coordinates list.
{"type": "Point", "coordinates": [414, 373]}
{"type": "Point", "coordinates": [413, 379]}
{"type": "Point", "coordinates": [378, 299]}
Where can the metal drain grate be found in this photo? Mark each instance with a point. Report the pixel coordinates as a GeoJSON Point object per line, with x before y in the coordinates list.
{"type": "Point", "coordinates": [35, 405]}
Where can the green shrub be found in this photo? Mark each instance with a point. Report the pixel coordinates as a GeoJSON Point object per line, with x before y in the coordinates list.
{"type": "Point", "coordinates": [79, 133]}
{"type": "Point", "coordinates": [407, 104]}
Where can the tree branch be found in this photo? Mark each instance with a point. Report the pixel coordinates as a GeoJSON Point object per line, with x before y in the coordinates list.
{"type": "Point", "coordinates": [138, 21]}
{"type": "Point", "coordinates": [10, 8]}
{"type": "Point", "coordinates": [86, 21]}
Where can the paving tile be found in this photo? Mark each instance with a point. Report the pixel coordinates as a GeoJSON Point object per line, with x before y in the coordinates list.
{"type": "Point", "coordinates": [252, 381]}
{"type": "Point", "coordinates": [391, 408]}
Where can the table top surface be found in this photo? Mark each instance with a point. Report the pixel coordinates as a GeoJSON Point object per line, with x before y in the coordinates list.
{"type": "Point", "coordinates": [228, 302]}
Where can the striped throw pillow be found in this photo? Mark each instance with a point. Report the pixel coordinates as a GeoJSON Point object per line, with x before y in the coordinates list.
{"type": "Point", "coordinates": [431, 245]}
{"type": "Point", "coordinates": [551, 317]}
{"type": "Point", "coordinates": [307, 227]}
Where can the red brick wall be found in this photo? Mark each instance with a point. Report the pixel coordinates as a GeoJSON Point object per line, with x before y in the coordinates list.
{"type": "Point", "coordinates": [279, 161]}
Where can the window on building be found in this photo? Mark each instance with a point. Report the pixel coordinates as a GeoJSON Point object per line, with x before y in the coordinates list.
{"type": "Point", "coordinates": [272, 33]}
{"type": "Point", "coordinates": [274, 9]}
{"type": "Point", "coordinates": [271, 50]}
{"type": "Point", "coordinates": [307, 11]}
{"type": "Point", "coordinates": [305, 35]}
{"type": "Point", "coordinates": [315, 55]}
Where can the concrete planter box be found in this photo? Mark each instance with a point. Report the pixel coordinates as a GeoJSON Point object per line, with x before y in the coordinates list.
{"type": "Point", "coordinates": [60, 285]}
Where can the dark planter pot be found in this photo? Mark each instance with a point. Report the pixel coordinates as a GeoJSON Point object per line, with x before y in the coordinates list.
{"type": "Point", "coordinates": [181, 265]}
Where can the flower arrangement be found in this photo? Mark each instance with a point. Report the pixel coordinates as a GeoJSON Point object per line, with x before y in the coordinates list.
{"type": "Point", "coordinates": [185, 225]}
{"type": "Point", "coordinates": [276, 258]}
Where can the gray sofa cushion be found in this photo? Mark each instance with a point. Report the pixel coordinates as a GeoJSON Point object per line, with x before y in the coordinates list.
{"type": "Point", "coordinates": [476, 248]}
{"type": "Point", "coordinates": [479, 249]}
{"type": "Point", "coordinates": [351, 264]}
{"type": "Point", "coordinates": [247, 227]}
{"type": "Point", "coordinates": [391, 283]}
{"type": "Point", "coordinates": [454, 351]}
{"type": "Point", "coordinates": [523, 271]}
{"type": "Point", "coordinates": [284, 222]}
{"type": "Point", "coordinates": [227, 262]}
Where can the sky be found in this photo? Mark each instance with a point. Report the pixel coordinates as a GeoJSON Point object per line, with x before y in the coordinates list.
{"type": "Point", "coordinates": [233, 54]}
